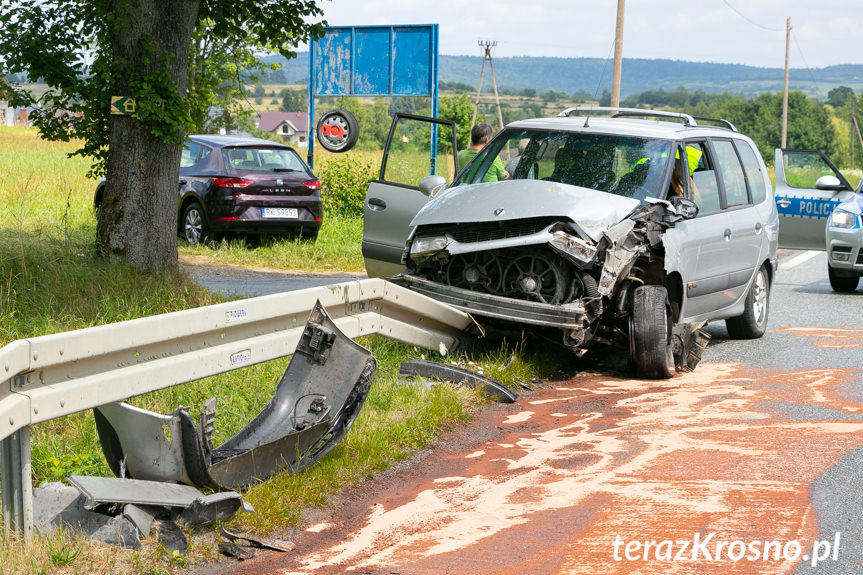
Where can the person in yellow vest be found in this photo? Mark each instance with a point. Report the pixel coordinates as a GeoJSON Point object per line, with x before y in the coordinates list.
{"type": "Point", "coordinates": [693, 156]}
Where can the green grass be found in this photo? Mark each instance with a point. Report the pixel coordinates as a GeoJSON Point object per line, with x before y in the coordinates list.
{"type": "Point", "coordinates": [336, 249]}
{"type": "Point", "coordinates": [51, 281]}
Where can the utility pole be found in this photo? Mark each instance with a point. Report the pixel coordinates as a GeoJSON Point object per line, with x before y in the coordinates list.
{"type": "Point", "coordinates": [487, 46]}
{"type": "Point", "coordinates": [853, 123]}
{"type": "Point", "coordinates": [785, 91]}
{"type": "Point", "coordinates": [618, 57]}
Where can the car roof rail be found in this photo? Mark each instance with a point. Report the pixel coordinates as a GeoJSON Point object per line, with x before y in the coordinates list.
{"type": "Point", "coordinates": [725, 123]}
{"type": "Point", "coordinates": [630, 112]}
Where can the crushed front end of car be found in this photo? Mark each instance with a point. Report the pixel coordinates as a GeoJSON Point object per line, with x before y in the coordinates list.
{"type": "Point", "coordinates": [551, 257]}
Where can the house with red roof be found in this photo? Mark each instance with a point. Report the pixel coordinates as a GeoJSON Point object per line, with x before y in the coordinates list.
{"type": "Point", "coordinates": [292, 127]}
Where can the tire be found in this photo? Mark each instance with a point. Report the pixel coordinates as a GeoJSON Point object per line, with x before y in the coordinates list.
{"type": "Point", "coordinates": [651, 333]}
{"type": "Point", "coordinates": [752, 323]}
{"type": "Point", "coordinates": [193, 227]}
{"type": "Point", "coordinates": [338, 131]}
{"type": "Point", "coordinates": [842, 284]}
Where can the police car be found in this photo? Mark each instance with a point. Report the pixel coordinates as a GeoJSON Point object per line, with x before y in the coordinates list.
{"type": "Point", "coordinates": [819, 209]}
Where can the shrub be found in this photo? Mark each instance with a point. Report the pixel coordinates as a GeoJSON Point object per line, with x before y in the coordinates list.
{"type": "Point", "coordinates": [344, 181]}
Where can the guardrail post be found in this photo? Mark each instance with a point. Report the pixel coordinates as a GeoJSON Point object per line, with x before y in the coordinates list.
{"type": "Point", "coordinates": [17, 483]}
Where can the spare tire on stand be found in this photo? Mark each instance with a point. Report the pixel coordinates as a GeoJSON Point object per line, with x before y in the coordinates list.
{"type": "Point", "coordinates": [338, 130]}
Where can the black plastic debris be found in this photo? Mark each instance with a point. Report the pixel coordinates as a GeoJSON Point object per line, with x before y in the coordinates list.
{"type": "Point", "coordinates": [215, 507]}
{"type": "Point", "coordinates": [432, 369]}
{"type": "Point", "coordinates": [238, 552]}
{"type": "Point", "coordinates": [257, 543]}
{"type": "Point", "coordinates": [314, 406]}
{"type": "Point", "coordinates": [171, 537]}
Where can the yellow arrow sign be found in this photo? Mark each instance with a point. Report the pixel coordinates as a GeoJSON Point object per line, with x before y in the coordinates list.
{"type": "Point", "coordinates": [122, 105]}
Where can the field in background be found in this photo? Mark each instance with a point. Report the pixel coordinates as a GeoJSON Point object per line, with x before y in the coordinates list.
{"type": "Point", "coordinates": [52, 281]}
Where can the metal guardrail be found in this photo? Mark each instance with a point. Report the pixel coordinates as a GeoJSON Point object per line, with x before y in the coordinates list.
{"type": "Point", "coordinates": [51, 376]}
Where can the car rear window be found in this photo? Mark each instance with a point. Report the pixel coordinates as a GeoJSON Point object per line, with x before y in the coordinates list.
{"type": "Point", "coordinates": [262, 159]}
{"type": "Point", "coordinates": [732, 174]}
{"type": "Point", "coordinates": [752, 167]}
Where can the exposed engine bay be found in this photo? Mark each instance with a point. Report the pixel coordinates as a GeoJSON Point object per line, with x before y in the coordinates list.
{"type": "Point", "coordinates": [546, 272]}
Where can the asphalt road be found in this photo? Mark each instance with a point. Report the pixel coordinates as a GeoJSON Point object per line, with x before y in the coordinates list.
{"type": "Point", "coordinates": [753, 461]}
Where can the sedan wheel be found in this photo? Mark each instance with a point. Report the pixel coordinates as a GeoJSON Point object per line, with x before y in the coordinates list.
{"type": "Point", "coordinates": [194, 225]}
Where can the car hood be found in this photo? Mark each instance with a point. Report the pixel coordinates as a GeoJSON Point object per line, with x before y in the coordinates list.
{"type": "Point", "coordinates": [853, 204]}
{"type": "Point", "coordinates": [591, 210]}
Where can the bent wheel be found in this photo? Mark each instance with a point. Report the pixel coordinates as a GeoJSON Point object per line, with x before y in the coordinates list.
{"type": "Point", "coordinates": [651, 333]}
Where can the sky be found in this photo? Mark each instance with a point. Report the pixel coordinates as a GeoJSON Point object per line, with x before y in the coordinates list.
{"type": "Point", "coordinates": [752, 32]}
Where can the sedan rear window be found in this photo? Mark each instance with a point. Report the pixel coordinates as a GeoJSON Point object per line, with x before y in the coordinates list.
{"type": "Point", "coordinates": [622, 165]}
{"type": "Point", "coordinates": [263, 160]}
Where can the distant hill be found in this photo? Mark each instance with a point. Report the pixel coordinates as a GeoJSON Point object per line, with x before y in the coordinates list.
{"type": "Point", "coordinates": [572, 75]}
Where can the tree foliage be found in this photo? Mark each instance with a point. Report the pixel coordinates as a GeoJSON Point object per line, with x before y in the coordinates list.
{"type": "Point", "coordinates": [294, 100]}
{"type": "Point", "coordinates": [172, 58]}
{"type": "Point", "coordinates": [459, 109]}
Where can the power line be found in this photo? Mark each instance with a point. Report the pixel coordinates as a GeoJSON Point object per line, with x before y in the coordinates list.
{"type": "Point", "coordinates": [754, 23]}
{"type": "Point", "coordinates": [802, 57]}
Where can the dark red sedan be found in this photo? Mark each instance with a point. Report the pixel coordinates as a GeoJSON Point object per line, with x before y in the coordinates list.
{"type": "Point", "coordinates": [242, 184]}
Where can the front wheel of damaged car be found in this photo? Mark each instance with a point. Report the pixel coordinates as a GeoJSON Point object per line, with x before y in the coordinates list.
{"type": "Point", "coordinates": [651, 326]}
{"type": "Point", "coordinates": [752, 323]}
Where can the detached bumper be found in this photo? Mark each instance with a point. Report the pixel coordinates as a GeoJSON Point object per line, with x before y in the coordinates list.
{"type": "Point", "coordinates": [570, 316]}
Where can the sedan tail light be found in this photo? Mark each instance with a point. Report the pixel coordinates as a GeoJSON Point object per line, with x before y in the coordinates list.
{"type": "Point", "coordinates": [313, 185]}
{"type": "Point", "coordinates": [232, 182]}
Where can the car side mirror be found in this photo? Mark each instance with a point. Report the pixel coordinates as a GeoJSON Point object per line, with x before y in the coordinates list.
{"type": "Point", "coordinates": [829, 183]}
{"type": "Point", "coordinates": [685, 207]}
{"type": "Point", "coordinates": [431, 186]}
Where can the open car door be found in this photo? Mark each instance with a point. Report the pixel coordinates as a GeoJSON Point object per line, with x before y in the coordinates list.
{"type": "Point", "coordinates": [417, 146]}
{"type": "Point", "coordinates": [808, 188]}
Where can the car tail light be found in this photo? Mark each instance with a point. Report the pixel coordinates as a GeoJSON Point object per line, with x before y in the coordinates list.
{"type": "Point", "coordinates": [232, 182]}
{"type": "Point", "coordinates": [313, 185]}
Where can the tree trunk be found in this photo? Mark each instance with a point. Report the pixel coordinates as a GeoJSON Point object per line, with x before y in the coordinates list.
{"type": "Point", "coordinates": [138, 215]}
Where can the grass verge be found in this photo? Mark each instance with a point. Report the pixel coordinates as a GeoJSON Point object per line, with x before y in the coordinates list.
{"type": "Point", "coordinates": [51, 281]}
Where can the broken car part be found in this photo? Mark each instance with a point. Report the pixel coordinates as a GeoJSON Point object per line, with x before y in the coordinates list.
{"type": "Point", "coordinates": [315, 403]}
{"type": "Point", "coordinates": [141, 496]}
{"type": "Point", "coordinates": [490, 386]}
{"type": "Point", "coordinates": [259, 543]}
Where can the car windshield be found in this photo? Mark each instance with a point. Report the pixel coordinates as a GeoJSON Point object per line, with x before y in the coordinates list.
{"type": "Point", "coordinates": [622, 165]}
{"type": "Point", "coordinates": [263, 160]}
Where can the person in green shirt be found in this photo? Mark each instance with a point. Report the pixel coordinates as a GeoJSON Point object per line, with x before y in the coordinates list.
{"type": "Point", "coordinates": [480, 134]}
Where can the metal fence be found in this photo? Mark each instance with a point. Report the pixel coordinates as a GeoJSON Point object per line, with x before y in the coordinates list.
{"type": "Point", "coordinates": [51, 376]}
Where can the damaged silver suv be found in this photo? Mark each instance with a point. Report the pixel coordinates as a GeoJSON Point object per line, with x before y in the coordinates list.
{"type": "Point", "coordinates": [625, 227]}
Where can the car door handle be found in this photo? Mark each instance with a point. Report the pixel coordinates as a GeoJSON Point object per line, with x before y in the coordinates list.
{"type": "Point", "coordinates": [377, 204]}
{"type": "Point", "coordinates": [784, 202]}
{"type": "Point", "coordinates": [183, 182]}
{"type": "Point", "coordinates": [758, 228]}
{"type": "Point", "coordinates": [727, 234]}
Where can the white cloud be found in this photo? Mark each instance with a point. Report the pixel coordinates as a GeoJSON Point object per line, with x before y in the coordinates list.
{"type": "Point", "coordinates": [752, 32]}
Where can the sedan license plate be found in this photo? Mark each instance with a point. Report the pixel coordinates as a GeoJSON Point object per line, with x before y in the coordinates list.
{"type": "Point", "coordinates": [279, 213]}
